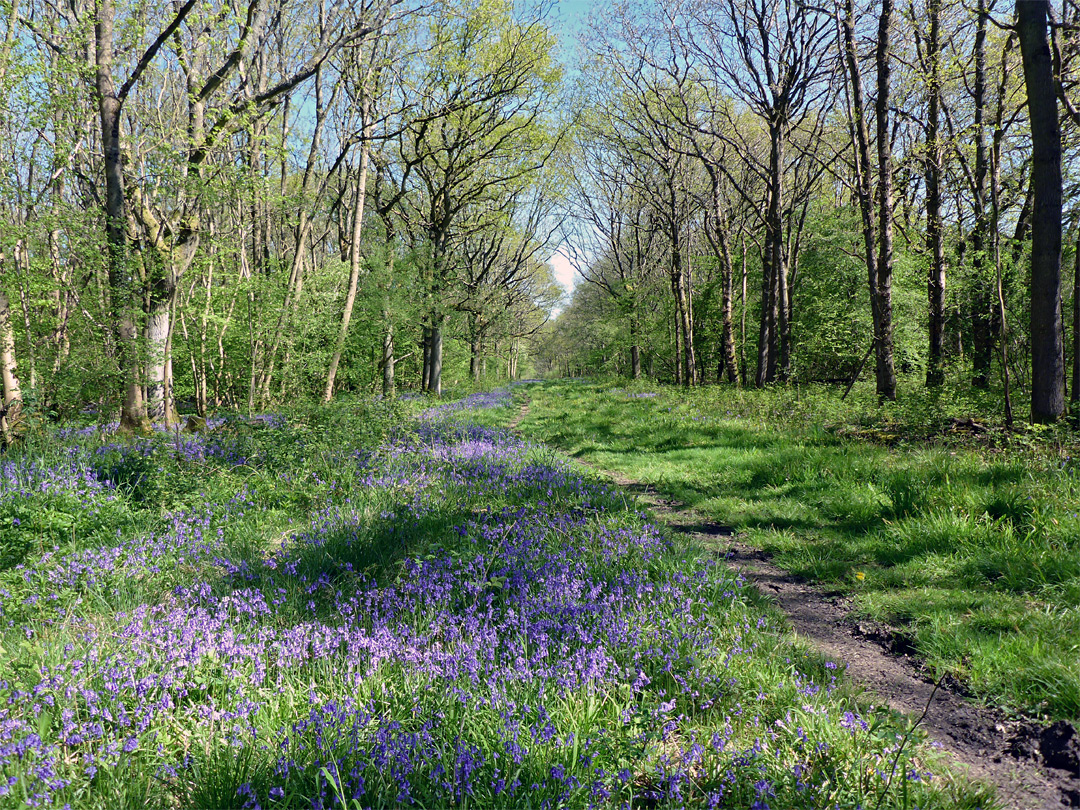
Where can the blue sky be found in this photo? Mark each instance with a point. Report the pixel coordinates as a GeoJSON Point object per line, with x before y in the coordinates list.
{"type": "Point", "coordinates": [570, 15]}
{"type": "Point", "coordinates": [571, 11]}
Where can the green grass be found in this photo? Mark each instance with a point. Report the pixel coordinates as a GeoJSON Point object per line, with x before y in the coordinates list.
{"type": "Point", "coordinates": [320, 527]}
{"type": "Point", "coordinates": [971, 547]}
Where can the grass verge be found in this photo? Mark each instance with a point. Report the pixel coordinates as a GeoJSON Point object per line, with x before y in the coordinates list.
{"type": "Point", "coordinates": [972, 549]}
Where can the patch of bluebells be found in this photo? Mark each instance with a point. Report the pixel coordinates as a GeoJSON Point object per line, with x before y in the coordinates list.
{"type": "Point", "coordinates": [73, 475]}
{"type": "Point", "coordinates": [447, 677]}
{"type": "Point", "coordinates": [214, 441]}
{"type": "Point", "coordinates": [499, 398]}
{"type": "Point", "coordinates": [81, 495]}
{"type": "Point", "coordinates": [109, 428]}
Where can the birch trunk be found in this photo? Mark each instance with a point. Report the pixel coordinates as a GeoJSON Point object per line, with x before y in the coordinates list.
{"type": "Point", "coordinates": [354, 265]}
{"type": "Point", "coordinates": [9, 421]}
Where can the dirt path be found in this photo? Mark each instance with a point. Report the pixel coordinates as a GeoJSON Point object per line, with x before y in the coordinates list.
{"type": "Point", "coordinates": [1018, 758]}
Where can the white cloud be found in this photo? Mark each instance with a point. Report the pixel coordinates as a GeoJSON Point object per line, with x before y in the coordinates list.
{"type": "Point", "coordinates": [565, 272]}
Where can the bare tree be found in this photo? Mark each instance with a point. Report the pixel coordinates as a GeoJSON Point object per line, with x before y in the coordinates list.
{"type": "Point", "coordinates": [774, 56]}
{"type": "Point", "coordinates": [877, 235]}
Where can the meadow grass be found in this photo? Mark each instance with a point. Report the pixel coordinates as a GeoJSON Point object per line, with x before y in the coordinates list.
{"type": "Point", "coordinates": [970, 547]}
{"type": "Point", "coordinates": [356, 608]}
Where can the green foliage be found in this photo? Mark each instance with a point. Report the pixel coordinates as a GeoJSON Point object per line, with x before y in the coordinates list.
{"type": "Point", "coordinates": [831, 327]}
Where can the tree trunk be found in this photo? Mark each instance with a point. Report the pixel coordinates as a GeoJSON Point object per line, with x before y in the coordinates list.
{"type": "Point", "coordinates": [729, 364]}
{"type": "Point", "coordinates": [742, 314]}
{"type": "Point", "coordinates": [764, 330]}
{"type": "Point", "coordinates": [886, 373]}
{"type": "Point", "coordinates": [436, 338]}
{"type": "Point", "coordinates": [1074, 394]}
{"type": "Point", "coordinates": [9, 420]}
{"type": "Point", "coordinates": [1047, 361]}
{"type": "Point", "coordinates": [23, 272]}
{"type": "Point", "coordinates": [425, 345]}
{"type": "Point", "coordinates": [783, 325]}
{"type": "Point", "coordinates": [863, 185]}
{"type": "Point", "coordinates": [935, 242]}
{"type": "Point", "coordinates": [172, 416]}
{"type": "Point", "coordinates": [635, 349]}
{"type": "Point", "coordinates": [995, 226]}
{"type": "Point", "coordinates": [982, 336]}
{"type": "Point", "coordinates": [354, 254]}
{"type": "Point", "coordinates": [687, 331]}
{"type": "Point", "coordinates": [678, 350]}
{"type": "Point", "coordinates": [475, 352]}
{"type": "Point", "coordinates": [121, 283]}
{"type": "Point", "coordinates": [774, 235]}
{"type": "Point", "coordinates": [387, 364]}
{"type": "Point", "coordinates": [288, 306]}
{"type": "Point", "coordinates": [773, 314]}
{"type": "Point", "coordinates": [61, 335]}
{"type": "Point", "coordinates": [388, 388]}
{"type": "Point", "coordinates": [682, 303]}
{"type": "Point", "coordinates": [157, 338]}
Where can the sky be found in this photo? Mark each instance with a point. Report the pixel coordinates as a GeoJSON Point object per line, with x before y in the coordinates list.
{"type": "Point", "coordinates": [565, 274]}
{"type": "Point", "coordinates": [569, 16]}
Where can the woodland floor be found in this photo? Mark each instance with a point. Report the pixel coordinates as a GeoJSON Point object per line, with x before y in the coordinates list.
{"type": "Point", "coordinates": [1030, 765]}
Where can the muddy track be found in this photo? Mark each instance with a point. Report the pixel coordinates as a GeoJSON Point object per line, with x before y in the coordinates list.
{"type": "Point", "coordinates": [1031, 767]}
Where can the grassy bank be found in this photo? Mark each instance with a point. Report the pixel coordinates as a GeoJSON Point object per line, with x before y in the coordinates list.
{"type": "Point", "coordinates": [970, 546]}
{"type": "Point", "coordinates": [361, 610]}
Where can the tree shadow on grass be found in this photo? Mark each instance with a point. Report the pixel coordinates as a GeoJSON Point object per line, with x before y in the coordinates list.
{"type": "Point", "coordinates": [350, 554]}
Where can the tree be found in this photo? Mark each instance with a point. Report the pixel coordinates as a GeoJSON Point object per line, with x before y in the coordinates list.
{"type": "Point", "coordinates": [935, 174]}
{"type": "Point", "coordinates": [476, 133]}
{"type": "Point", "coordinates": [772, 55]}
{"type": "Point", "coordinates": [367, 88]}
{"type": "Point", "coordinates": [1047, 351]}
{"type": "Point", "coordinates": [12, 393]}
{"type": "Point", "coordinates": [122, 281]}
{"type": "Point", "coordinates": [877, 236]}
{"type": "Point", "coordinates": [173, 234]}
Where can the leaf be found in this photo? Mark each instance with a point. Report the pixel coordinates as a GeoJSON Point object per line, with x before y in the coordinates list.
{"type": "Point", "coordinates": [44, 723]}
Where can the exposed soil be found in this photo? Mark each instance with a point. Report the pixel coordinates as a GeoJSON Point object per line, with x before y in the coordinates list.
{"type": "Point", "coordinates": [1031, 766]}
